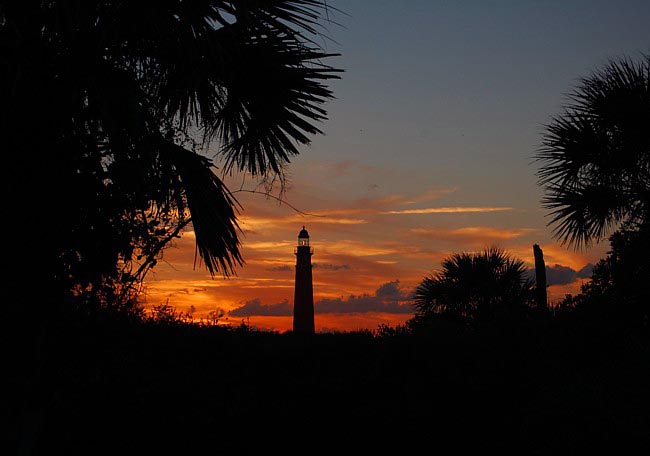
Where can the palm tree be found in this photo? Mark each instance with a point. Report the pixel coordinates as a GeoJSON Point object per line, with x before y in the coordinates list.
{"type": "Point", "coordinates": [595, 157]}
{"type": "Point", "coordinates": [474, 286]}
{"type": "Point", "coordinates": [107, 104]}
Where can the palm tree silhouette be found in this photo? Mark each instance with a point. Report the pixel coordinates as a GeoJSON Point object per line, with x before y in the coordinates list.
{"type": "Point", "coordinates": [474, 286]}
{"type": "Point", "coordinates": [595, 157]}
{"type": "Point", "coordinates": [107, 104]}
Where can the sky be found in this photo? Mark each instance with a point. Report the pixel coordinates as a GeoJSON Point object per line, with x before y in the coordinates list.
{"type": "Point", "coordinates": [428, 151]}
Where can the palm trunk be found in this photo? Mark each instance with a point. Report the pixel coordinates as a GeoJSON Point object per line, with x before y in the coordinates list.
{"type": "Point", "coordinates": [540, 278]}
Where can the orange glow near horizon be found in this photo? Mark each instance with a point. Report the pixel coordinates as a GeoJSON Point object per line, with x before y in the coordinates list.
{"type": "Point", "coordinates": [362, 248]}
{"type": "Point", "coordinates": [328, 322]}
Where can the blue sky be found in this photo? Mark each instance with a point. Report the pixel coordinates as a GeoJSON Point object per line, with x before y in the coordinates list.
{"type": "Point", "coordinates": [442, 105]}
{"type": "Point", "coordinates": [462, 89]}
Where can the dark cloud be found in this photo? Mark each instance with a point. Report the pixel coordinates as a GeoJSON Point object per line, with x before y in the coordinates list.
{"type": "Point", "coordinates": [562, 275]}
{"type": "Point", "coordinates": [388, 298]}
{"type": "Point", "coordinates": [586, 272]}
{"type": "Point", "coordinates": [362, 304]}
{"type": "Point", "coordinates": [331, 267]}
{"type": "Point", "coordinates": [282, 268]}
{"type": "Point", "coordinates": [255, 307]}
{"type": "Point", "coordinates": [391, 290]}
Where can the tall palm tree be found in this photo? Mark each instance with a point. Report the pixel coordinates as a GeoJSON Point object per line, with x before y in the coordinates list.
{"type": "Point", "coordinates": [595, 157]}
{"type": "Point", "coordinates": [106, 104]}
{"type": "Point", "coordinates": [474, 286]}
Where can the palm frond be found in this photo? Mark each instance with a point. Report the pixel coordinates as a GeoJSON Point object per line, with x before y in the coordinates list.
{"type": "Point", "coordinates": [117, 97]}
{"type": "Point", "coordinates": [256, 83]}
{"type": "Point", "coordinates": [212, 208]}
{"type": "Point", "coordinates": [273, 97]}
{"type": "Point", "coordinates": [164, 174]}
{"type": "Point", "coordinates": [595, 156]}
{"type": "Point", "coordinates": [470, 284]}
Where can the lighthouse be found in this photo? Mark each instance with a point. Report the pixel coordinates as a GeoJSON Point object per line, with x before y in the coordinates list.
{"type": "Point", "coordinates": [303, 298]}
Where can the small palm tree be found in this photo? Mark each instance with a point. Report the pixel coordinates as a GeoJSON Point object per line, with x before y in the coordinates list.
{"type": "Point", "coordinates": [595, 157]}
{"type": "Point", "coordinates": [474, 286]}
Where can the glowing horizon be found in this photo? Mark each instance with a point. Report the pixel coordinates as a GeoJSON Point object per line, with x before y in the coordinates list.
{"type": "Point", "coordinates": [427, 151]}
{"type": "Point", "coordinates": [350, 267]}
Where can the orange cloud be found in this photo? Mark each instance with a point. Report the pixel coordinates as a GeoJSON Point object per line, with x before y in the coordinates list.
{"type": "Point", "coordinates": [343, 211]}
{"type": "Point", "coordinates": [449, 210]}
{"type": "Point", "coordinates": [346, 230]}
{"type": "Point", "coordinates": [269, 274]}
{"type": "Point", "coordinates": [269, 245]}
{"type": "Point", "coordinates": [319, 217]}
{"type": "Point", "coordinates": [357, 248]}
{"type": "Point", "coordinates": [431, 194]}
{"type": "Point", "coordinates": [472, 233]}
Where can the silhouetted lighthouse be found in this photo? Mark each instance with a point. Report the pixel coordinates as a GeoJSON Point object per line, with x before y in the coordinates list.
{"type": "Point", "coordinates": [303, 298]}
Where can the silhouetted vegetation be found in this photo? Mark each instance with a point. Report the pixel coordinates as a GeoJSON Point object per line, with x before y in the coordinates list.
{"type": "Point", "coordinates": [107, 108]}
{"type": "Point", "coordinates": [545, 386]}
{"type": "Point", "coordinates": [596, 155]}
{"type": "Point", "coordinates": [619, 288]}
{"type": "Point", "coordinates": [596, 173]}
{"type": "Point", "coordinates": [475, 287]}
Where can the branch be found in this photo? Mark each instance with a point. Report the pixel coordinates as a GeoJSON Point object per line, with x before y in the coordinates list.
{"type": "Point", "coordinates": [161, 244]}
{"type": "Point", "coordinates": [269, 195]}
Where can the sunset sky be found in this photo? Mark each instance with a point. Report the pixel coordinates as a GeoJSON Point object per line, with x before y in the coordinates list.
{"type": "Point", "coordinates": [427, 151]}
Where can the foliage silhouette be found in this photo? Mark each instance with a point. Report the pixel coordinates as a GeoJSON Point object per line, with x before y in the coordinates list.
{"type": "Point", "coordinates": [595, 157]}
{"type": "Point", "coordinates": [106, 107]}
{"type": "Point", "coordinates": [556, 385]}
{"type": "Point", "coordinates": [618, 288]}
{"type": "Point", "coordinates": [165, 314]}
{"type": "Point", "coordinates": [475, 286]}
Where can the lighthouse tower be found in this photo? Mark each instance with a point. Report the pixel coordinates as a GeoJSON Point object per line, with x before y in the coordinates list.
{"type": "Point", "coordinates": [303, 298]}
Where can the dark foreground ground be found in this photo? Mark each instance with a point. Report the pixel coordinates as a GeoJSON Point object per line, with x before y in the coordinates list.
{"type": "Point", "coordinates": [538, 387]}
